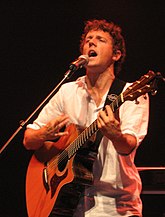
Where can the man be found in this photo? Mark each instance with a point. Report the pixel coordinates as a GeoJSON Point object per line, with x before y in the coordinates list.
{"type": "Point", "coordinates": [117, 186]}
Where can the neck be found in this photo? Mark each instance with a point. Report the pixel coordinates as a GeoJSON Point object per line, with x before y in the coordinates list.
{"type": "Point", "coordinates": [100, 80]}
{"type": "Point", "coordinates": [98, 84]}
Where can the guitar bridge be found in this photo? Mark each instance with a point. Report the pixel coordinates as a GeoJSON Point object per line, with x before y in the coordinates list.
{"type": "Point", "coordinates": [45, 179]}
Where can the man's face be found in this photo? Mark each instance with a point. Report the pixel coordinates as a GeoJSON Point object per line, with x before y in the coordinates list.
{"type": "Point", "coordinates": [98, 45]}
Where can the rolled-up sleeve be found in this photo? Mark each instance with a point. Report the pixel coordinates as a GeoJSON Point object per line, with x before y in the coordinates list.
{"type": "Point", "coordinates": [134, 117]}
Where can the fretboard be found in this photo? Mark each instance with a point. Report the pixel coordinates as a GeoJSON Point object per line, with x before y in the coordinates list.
{"type": "Point", "coordinates": [89, 131]}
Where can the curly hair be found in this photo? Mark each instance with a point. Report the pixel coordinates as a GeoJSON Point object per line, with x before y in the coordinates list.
{"type": "Point", "coordinates": [114, 31]}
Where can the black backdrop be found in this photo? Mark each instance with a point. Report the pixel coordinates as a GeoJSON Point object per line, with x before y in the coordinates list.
{"type": "Point", "coordinates": [38, 41]}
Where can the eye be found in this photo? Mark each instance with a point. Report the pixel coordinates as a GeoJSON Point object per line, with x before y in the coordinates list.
{"type": "Point", "coordinates": [102, 40]}
{"type": "Point", "coordinates": [87, 39]}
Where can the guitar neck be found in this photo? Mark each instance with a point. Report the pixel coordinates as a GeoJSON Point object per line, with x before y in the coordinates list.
{"type": "Point", "coordinates": [89, 131]}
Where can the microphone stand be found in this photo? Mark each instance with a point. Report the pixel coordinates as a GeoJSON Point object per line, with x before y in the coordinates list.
{"type": "Point", "coordinates": [23, 123]}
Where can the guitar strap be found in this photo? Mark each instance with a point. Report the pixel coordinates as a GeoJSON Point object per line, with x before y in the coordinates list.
{"type": "Point", "coordinates": [114, 91]}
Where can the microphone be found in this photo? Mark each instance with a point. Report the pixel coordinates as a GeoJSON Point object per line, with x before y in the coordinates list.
{"type": "Point", "coordinates": [79, 63]}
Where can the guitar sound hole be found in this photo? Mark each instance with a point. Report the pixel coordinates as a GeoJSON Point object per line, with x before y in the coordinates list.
{"type": "Point", "coordinates": [63, 160]}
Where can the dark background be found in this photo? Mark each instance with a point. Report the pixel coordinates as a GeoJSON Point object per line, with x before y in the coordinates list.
{"type": "Point", "coordinates": [37, 43]}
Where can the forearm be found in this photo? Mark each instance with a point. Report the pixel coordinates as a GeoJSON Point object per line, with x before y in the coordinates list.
{"type": "Point", "coordinates": [124, 143]}
{"type": "Point", "coordinates": [34, 139]}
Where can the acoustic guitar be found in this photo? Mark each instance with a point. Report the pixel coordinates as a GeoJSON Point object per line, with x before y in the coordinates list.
{"type": "Point", "coordinates": [53, 172]}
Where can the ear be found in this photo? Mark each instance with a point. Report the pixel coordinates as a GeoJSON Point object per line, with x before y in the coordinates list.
{"type": "Point", "coordinates": [116, 55]}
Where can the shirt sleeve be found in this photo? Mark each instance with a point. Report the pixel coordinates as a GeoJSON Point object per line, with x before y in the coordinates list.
{"type": "Point", "coordinates": [49, 112]}
{"type": "Point", "coordinates": [134, 117]}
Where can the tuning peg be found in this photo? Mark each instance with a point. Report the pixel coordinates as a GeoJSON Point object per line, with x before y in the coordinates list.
{"type": "Point", "coordinates": [154, 92]}
{"type": "Point", "coordinates": [160, 76]}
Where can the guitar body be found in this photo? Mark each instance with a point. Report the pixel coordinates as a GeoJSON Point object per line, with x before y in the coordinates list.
{"type": "Point", "coordinates": [42, 196]}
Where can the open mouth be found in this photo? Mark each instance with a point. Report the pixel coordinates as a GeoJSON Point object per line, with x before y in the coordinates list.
{"type": "Point", "coordinates": [92, 53]}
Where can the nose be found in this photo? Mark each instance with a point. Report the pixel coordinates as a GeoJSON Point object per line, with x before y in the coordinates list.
{"type": "Point", "coordinates": [92, 42]}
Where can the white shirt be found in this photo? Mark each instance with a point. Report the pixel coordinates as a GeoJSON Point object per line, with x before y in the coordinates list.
{"type": "Point", "coordinates": [117, 185]}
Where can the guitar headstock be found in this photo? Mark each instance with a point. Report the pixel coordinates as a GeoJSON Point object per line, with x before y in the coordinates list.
{"type": "Point", "coordinates": [140, 87]}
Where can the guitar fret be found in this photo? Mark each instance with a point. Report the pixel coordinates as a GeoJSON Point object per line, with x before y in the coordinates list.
{"type": "Point", "coordinates": [75, 148]}
{"type": "Point", "coordinates": [76, 145]}
{"type": "Point", "coordinates": [92, 128]}
{"type": "Point", "coordinates": [95, 126]}
{"type": "Point", "coordinates": [83, 137]}
{"type": "Point", "coordinates": [112, 106]}
{"type": "Point", "coordinates": [116, 103]}
{"type": "Point", "coordinates": [86, 134]}
{"type": "Point", "coordinates": [122, 97]}
{"type": "Point", "coordinates": [90, 131]}
{"type": "Point", "coordinates": [79, 142]}
{"type": "Point", "coordinates": [80, 138]}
